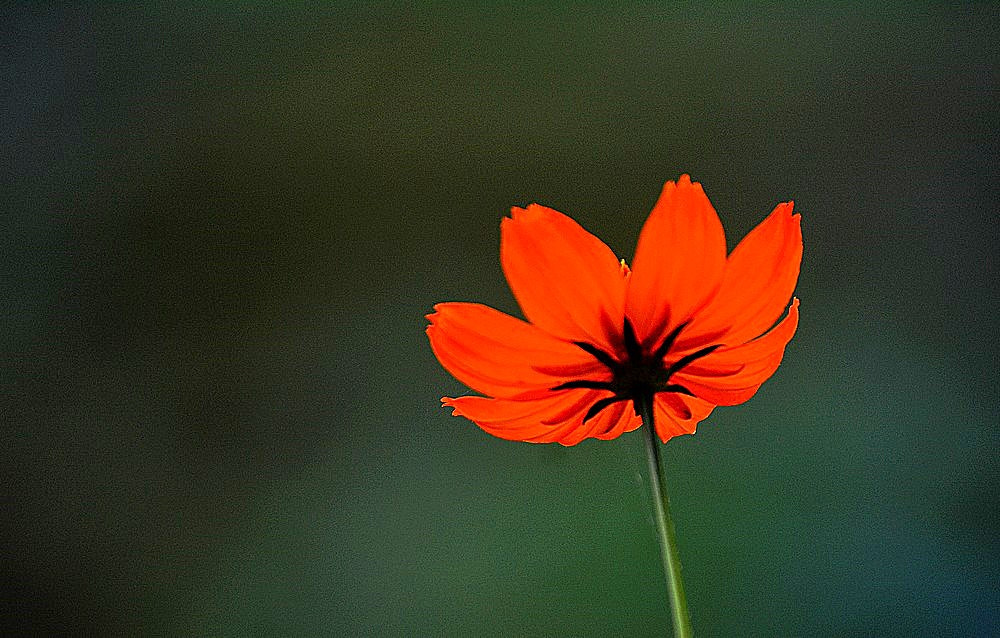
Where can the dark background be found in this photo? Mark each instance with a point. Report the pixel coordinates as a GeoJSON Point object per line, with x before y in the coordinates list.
{"type": "Point", "coordinates": [223, 228]}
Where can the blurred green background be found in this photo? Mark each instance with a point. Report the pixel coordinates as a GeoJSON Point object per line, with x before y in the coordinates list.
{"type": "Point", "coordinates": [225, 224]}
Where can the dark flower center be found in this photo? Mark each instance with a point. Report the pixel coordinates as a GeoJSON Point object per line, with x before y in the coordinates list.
{"type": "Point", "coordinates": [640, 376]}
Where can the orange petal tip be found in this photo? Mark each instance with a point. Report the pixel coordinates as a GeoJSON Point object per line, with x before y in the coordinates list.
{"type": "Point", "coordinates": [519, 212]}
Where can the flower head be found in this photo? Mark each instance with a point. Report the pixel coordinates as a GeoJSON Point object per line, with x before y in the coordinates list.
{"type": "Point", "coordinates": [686, 327]}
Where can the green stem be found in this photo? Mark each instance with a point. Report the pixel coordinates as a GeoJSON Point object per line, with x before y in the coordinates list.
{"type": "Point", "coordinates": [665, 526]}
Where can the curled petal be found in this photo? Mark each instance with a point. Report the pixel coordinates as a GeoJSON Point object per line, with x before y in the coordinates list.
{"type": "Point", "coordinates": [679, 261]}
{"type": "Point", "coordinates": [544, 418]}
{"type": "Point", "coordinates": [680, 413]}
{"type": "Point", "coordinates": [759, 279]}
{"type": "Point", "coordinates": [501, 356]}
{"type": "Point", "coordinates": [627, 421]}
{"type": "Point", "coordinates": [755, 361]}
{"type": "Point", "coordinates": [686, 408]}
{"type": "Point", "coordinates": [567, 282]}
{"type": "Point", "coordinates": [601, 422]}
{"type": "Point", "coordinates": [668, 424]}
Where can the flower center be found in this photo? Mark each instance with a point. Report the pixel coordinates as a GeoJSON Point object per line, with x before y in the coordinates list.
{"type": "Point", "coordinates": [640, 376]}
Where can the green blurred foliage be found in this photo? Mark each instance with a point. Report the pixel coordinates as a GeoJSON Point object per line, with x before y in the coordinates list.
{"type": "Point", "coordinates": [224, 227]}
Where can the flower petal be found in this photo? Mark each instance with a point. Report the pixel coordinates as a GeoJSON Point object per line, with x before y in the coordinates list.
{"type": "Point", "coordinates": [686, 408]}
{"type": "Point", "coordinates": [568, 282]}
{"type": "Point", "coordinates": [753, 362]}
{"type": "Point", "coordinates": [601, 422]}
{"type": "Point", "coordinates": [679, 261]}
{"type": "Point", "coordinates": [668, 425]}
{"type": "Point", "coordinates": [627, 421]}
{"type": "Point", "coordinates": [548, 418]}
{"type": "Point", "coordinates": [501, 356]}
{"type": "Point", "coordinates": [679, 413]}
{"type": "Point", "coordinates": [759, 279]}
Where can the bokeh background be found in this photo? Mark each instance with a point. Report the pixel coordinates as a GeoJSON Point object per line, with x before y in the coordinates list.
{"type": "Point", "coordinates": [223, 228]}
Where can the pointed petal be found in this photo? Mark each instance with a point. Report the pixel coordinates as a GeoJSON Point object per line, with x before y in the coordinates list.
{"type": "Point", "coordinates": [548, 418]}
{"type": "Point", "coordinates": [501, 356]}
{"type": "Point", "coordinates": [679, 261]}
{"type": "Point", "coordinates": [568, 282]}
{"type": "Point", "coordinates": [759, 279]}
{"type": "Point", "coordinates": [753, 362]}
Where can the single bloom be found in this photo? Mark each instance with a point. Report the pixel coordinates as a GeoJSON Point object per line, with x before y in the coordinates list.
{"type": "Point", "coordinates": [686, 327]}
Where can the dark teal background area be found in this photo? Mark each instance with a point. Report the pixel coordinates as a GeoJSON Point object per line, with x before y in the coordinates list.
{"type": "Point", "coordinates": [223, 228]}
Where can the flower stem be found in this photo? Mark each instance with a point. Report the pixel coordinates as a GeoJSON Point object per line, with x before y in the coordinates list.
{"type": "Point", "coordinates": [665, 526]}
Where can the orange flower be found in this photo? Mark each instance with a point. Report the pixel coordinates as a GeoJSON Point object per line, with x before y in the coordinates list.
{"type": "Point", "coordinates": [686, 327]}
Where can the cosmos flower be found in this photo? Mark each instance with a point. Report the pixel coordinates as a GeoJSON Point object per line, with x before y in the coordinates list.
{"type": "Point", "coordinates": [686, 328]}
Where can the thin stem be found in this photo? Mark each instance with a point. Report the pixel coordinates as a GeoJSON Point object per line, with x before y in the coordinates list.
{"type": "Point", "coordinates": [665, 526]}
